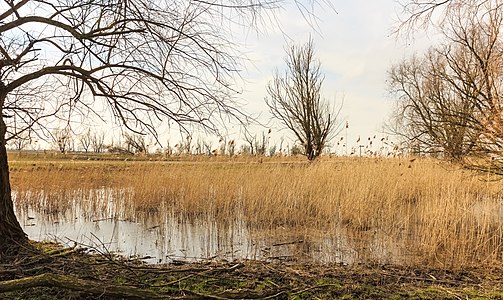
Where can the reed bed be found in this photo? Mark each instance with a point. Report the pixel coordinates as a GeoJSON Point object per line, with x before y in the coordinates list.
{"type": "Point", "coordinates": [434, 213]}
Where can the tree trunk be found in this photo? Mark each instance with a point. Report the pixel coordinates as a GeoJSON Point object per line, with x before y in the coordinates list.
{"type": "Point", "coordinates": [310, 151]}
{"type": "Point", "coordinates": [11, 232]}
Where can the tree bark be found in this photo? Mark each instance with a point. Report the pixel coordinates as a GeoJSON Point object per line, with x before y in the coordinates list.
{"type": "Point", "coordinates": [11, 232]}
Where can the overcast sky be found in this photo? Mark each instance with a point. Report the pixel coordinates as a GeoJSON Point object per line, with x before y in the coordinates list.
{"type": "Point", "coordinates": [355, 47]}
{"type": "Point", "coordinates": [354, 44]}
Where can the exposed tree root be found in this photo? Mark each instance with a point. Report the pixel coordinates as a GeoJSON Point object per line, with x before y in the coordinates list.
{"type": "Point", "coordinates": [48, 271]}
{"type": "Point", "coordinates": [15, 248]}
{"type": "Point", "coordinates": [77, 284]}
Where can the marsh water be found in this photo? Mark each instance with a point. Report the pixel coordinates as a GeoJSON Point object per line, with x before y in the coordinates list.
{"type": "Point", "coordinates": [162, 236]}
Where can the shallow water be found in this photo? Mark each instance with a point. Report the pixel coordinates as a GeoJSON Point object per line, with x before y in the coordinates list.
{"type": "Point", "coordinates": [162, 236]}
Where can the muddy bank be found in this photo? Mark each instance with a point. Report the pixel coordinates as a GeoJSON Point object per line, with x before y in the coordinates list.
{"type": "Point", "coordinates": [51, 272]}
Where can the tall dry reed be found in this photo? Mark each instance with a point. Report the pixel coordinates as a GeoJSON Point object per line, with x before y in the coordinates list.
{"type": "Point", "coordinates": [437, 214]}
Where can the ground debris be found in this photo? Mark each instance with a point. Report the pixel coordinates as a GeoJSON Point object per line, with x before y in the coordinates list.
{"type": "Point", "coordinates": [53, 272]}
{"type": "Point", "coordinates": [76, 284]}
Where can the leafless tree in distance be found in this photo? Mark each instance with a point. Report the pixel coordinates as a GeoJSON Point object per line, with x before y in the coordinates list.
{"type": "Point", "coordinates": [295, 100]}
{"type": "Point", "coordinates": [135, 143]}
{"type": "Point", "coordinates": [21, 141]}
{"type": "Point", "coordinates": [85, 140]}
{"type": "Point", "coordinates": [147, 61]}
{"type": "Point", "coordinates": [62, 139]}
{"type": "Point", "coordinates": [98, 141]}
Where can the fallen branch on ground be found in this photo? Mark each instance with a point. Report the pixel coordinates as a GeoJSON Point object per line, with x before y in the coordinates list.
{"type": "Point", "coordinates": [77, 284]}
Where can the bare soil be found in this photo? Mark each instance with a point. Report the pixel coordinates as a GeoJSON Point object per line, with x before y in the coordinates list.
{"type": "Point", "coordinates": [48, 271]}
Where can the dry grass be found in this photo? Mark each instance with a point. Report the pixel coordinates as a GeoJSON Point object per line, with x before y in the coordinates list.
{"type": "Point", "coordinates": [435, 214]}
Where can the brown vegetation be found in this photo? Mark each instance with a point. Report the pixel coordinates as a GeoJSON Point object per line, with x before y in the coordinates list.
{"type": "Point", "coordinates": [439, 215]}
{"type": "Point", "coordinates": [56, 273]}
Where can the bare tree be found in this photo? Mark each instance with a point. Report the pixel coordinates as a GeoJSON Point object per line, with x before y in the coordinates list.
{"type": "Point", "coordinates": [198, 147]}
{"type": "Point", "coordinates": [208, 148]}
{"type": "Point", "coordinates": [296, 101]}
{"type": "Point", "coordinates": [62, 139]}
{"type": "Point", "coordinates": [250, 149]}
{"type": "Point", "coordinates": [262, 144]}
{"type": "Point", "coordinates": [135, 143]}
{"type": "Point", "coordinates": [451, 99]}
{"type": "Point", "coordinates": [432, 114]}
{"type": "Point", "coordinates": [85, 140]}
{"type": "Point", "coordinates": [186, 146]}
{"type": "Point", "coordinates": [21, 141]}
{"type": "Point", "coordinates": [98, 141]}
{"type": "Point", "coordinates": [147, 61]}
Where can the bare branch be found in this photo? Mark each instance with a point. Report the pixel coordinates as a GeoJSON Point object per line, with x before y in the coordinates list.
{"type": "Point", "coordinates": [295, 100]}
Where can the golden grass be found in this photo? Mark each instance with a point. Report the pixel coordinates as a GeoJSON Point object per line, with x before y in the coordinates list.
{"type": "Point", "coordinates": [436, 214]}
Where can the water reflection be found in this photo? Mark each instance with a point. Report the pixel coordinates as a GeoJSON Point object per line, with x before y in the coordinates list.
{"type": "Point", "coordinates": [105, 223]}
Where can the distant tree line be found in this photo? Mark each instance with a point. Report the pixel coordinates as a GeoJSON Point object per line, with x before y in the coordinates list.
{"type": "Point", "coordinates": [250, 144]}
